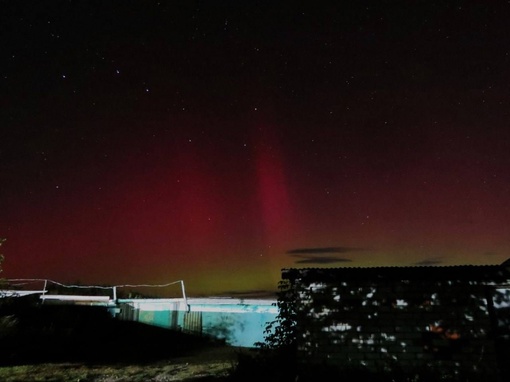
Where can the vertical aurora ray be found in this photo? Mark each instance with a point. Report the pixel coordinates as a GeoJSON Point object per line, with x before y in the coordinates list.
{"type": "Point", "coordinates": [272, 192]}
{"type": "Point", "coordinates": [275, 200]}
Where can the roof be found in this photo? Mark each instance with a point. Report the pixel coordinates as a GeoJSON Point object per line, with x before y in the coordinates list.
{"type": "Point", "coordinates": [485, 273]}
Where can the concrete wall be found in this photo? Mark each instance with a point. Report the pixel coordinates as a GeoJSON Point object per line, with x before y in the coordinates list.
{"type": "Point", "coordinates": [240, 322]}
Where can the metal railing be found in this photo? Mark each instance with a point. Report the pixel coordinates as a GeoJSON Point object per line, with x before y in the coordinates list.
{"type": "Point", "coordinates": [17, 283]}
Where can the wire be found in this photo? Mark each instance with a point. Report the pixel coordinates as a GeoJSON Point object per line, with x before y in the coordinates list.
{"type": "Point", "coordinates": [99, 286]}
{"type": "Point", "coordinates": [148, 285]}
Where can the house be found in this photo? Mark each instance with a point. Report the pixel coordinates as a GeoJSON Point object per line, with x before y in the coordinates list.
{"type": "Point", "coordinates": [454, 318]}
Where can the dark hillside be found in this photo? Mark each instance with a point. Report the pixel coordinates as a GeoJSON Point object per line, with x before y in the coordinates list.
{"type": "Point", "coordinates": [33, 333]}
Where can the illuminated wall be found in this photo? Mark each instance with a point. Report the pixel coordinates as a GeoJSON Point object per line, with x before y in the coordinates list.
{"type": "Point", "coordinates": [239, 322]}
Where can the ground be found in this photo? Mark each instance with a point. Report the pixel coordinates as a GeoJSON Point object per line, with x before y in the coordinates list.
{"type": "Point", "coordinates": [210, 364]}
{"type": "Point", "coordinates": [82, 343]}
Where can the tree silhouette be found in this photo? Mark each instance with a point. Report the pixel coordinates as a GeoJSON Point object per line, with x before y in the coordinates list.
{"type": "Point", "coordinates": [444, 320]}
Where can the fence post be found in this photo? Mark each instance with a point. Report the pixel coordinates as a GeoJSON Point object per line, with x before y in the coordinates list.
{"type": "Point", "coordinates": [184, 296]}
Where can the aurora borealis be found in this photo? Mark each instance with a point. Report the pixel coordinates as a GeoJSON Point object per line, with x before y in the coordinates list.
{"type": "Point", "coordinates": [219, 142]}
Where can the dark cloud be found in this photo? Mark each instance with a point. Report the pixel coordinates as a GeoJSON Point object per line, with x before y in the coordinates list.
{"type": "Point", "coordinates": [261, 293]}
{"type": "Point", "coordinates": [318, 255]}
{"type": "Point", "coordinates": [320, 260]}
{"type": "Point", "coordinates": [431, 261]}
{"type": "Point", "coordinates": [322, 250]}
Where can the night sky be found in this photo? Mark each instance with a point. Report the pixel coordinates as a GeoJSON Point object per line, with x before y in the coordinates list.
{"type": "Point", "coordinates": [221, 141]}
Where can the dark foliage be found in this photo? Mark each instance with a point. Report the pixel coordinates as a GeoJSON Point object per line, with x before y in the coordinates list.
{"type": "Point", "coordinates": [280, 334]}
{"type": "Point", "coordinates": [275, 358]}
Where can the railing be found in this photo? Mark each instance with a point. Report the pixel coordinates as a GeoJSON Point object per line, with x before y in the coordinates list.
{"type": "Point", "coordinates": [24, 282]}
